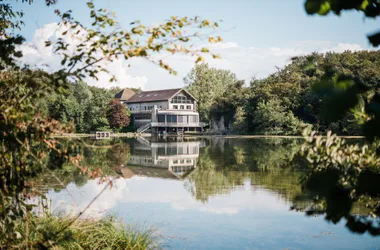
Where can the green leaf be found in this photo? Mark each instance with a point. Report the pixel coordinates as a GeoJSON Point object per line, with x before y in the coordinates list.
{"type": "Point", "coordinates": [205, 50]}
{"type": "Point", "coordinates": [90, 5]}
{"type": "Point", "coordinates": [324, 9]}
{"type": "Point", "coordinates": [199, 59]}
{"type": "Point", "coordinates": [312, 6]}
{"type": "Point", "coordinates": [374, 39]}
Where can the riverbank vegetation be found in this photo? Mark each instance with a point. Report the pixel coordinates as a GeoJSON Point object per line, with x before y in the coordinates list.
{"type": "Point", "coordinates": [288, 100]}
{"type": "Point", "coordinates": [104, 233]}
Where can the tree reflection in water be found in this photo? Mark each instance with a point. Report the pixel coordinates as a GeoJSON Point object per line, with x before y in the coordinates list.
{"type": "Point", "coordinates": [217, 166]}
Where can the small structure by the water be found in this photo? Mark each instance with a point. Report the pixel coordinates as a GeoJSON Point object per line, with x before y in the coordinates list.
{"type": "Point", "coordinates": [102, 135]}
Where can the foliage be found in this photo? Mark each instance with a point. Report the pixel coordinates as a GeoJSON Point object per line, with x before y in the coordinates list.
{"type": "Point", "coordinates": [207, 84]}
{"type": "Point", "coordinates": [283, 101]}
{"type": "Point", "coordinates": [294, 89]}
{"type": "Point", "coordinates": [350, 173]}
{"type": "Point", "coordinates": [230, 105]}
{"type": "Point", "coordinates": [27, 143]}
{"type": "Point", "coordinates": [118, 115]}
{"type": "Point", "coordinates": [27, 147]}
{"type": "Point", "coordinates": [82, 105]}
{"type": "Point", "coordinates": [271, 118]}
{"type": "Point", "coordinates": [370, 8]}
{"type": "Point", "coordinates": [108, 41]}
{"type": "Point", "coordinates": [106, 233]}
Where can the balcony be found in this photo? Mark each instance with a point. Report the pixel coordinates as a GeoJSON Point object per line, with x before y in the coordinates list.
{"type": "Point", "coordinates": [177, 125]}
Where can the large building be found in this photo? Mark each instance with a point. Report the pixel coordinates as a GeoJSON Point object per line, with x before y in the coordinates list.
{"type": "Point", "coordinates": [162, 111]}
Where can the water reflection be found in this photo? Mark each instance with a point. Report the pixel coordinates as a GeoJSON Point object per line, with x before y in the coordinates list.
{"type": "Point", "coordinates": [162, 158]}
{"type": "Point", "coordinates": [217, 193]}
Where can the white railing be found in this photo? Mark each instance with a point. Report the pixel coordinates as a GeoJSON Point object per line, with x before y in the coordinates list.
{"type": "Point", "coordinates": [175, 124]}
{"type": "Point", "coordinates": [143, 128]}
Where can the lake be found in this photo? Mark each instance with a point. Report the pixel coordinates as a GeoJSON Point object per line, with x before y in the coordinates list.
{"type": "Point", "coordinates": [206, 193]}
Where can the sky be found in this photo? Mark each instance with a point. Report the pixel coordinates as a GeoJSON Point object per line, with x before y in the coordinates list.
{"type": "Point", "coordinates": [258, 36]}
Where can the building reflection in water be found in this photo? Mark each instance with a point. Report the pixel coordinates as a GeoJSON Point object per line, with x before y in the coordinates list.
{"type": "Point", "coordinates": [165, 158]}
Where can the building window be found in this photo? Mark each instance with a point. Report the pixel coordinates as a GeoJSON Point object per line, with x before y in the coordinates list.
{"type": "Point", "coordinates": [193, 119]}
{"type": "Point", "coordinates": [171, 151]}
{"type": "Point", "coordinates": [175, 106]}
{"type": "Point", "coordinates": [182, 119]}
{"type": "Point", "coordinates": [188, 106]}
{"type": "Point", "coordinates": [171, 118]}
{"type": "Point", "coordinates": [180, 99]}
{"type": "Point", "coordinates": [182, 107]}
{"type": "Point", "coordinates": [161, 118]}
{"type": "Point", "coordinates": [145, 107]}
{"type": "Point", "coordinates": [142, 117]}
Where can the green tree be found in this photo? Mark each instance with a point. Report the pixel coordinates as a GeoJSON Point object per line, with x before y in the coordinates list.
{"type": "Point", "coordinates": [231, 106]}
{"type": "Point", "coordinates": [294, 88]}
{"type": "Point", "coordinates": [272, 118]}
{"type": "Point", "coordinates": [207, 84]}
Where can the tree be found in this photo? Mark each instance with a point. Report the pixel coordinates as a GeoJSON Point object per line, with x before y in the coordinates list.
{"type": "Point", "coordinates": [272, 118]}
{"type": "Point", "coordinates": [118, 115]}
{"type": "Point", "coordinates": [28, 146]}
{"type": "Point", "coordinates": [294, 88]}
{"type": "Point", "coordinates": [207, 84]}
{"type": "Point", "coordinates": [350, 173]}
{"type": "Point", "coordinates": [231, 106]}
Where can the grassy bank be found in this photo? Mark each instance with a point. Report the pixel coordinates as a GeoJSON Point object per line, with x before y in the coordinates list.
{"type": "Point", "coordinates": [51, 232]}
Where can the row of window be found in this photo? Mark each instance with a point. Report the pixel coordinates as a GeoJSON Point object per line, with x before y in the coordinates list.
{"type": "Point", "coordinates": [151, 107]}
{"type": "Point", "coordinates": [180, 99]}
{"type": "Point", "coordinates": [143, 117]}
{"type": "Point", "coordinates": [178, 151]}
{"type": "Point", "coordinates": [182, 107]}
{"type": "Point", "coordinates": [178, 118]}
{"type": "Point", "coordinates": [181, 161]}
{"type": "Point", "coordinates": [143, 108]}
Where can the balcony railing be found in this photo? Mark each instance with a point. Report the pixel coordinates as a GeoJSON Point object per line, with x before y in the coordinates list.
{"type": "Point", "coordinates": [175, 124]}
{"type": "Point", "coordinates": [182, 101]}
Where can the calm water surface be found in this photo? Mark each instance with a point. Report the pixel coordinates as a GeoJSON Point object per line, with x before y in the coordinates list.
{"type": "Point", "coordinates": [207, 194]}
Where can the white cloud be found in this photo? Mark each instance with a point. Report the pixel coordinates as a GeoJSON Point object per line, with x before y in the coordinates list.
{"type": "Point", "coordinates": [36, 54]}
{"type": "Point", "coordinates": [342, 47]}
{"type": "Point", "coordinates": [244, 61]}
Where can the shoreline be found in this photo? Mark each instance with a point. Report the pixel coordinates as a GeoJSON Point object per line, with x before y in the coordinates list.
{"type": "Point", "coordinates": [135, 135]}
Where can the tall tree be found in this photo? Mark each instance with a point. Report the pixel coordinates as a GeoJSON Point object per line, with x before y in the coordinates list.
{"type": "Point", "coordinates": [207, 84]}
{"type": "Point", "coordinates": [231, 106]}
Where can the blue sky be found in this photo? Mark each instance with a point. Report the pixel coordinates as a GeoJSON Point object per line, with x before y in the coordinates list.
{"type": "Point", "coordinates": [255, 24]}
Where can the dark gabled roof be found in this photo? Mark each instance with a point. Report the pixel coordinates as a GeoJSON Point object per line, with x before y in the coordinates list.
{"type": "Point", "coordinates": [154, 95]}
{"type": "Point", "coordinates": [125, 94]}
